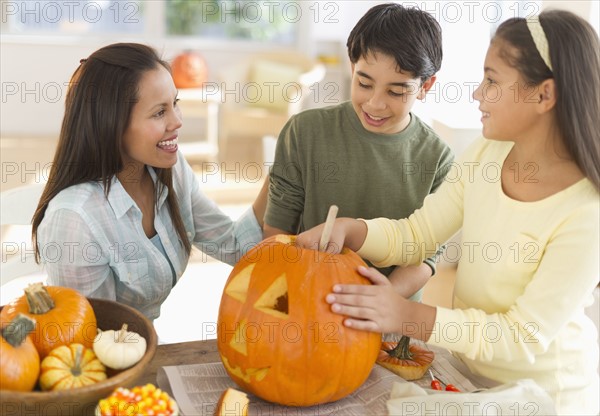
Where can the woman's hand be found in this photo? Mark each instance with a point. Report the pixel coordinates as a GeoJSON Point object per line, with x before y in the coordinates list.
{"type": "Point", "coordinates": [376, 308]}
{"type": "Point", "coordinates": [346, 232]}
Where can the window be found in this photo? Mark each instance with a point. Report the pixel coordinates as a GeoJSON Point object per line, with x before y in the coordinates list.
{"type": "Point", "coordinates": [263, 21]}
{"type": "Point", "coordinates": [43, 17]}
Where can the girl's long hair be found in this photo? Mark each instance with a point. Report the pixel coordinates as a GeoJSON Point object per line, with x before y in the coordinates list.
{"type": "Point", "coordinates": [98, 107]}
{"type": "Point", "coordinates": [575, 57]}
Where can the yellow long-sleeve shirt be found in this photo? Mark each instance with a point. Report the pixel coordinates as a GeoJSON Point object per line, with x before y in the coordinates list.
{"type": "Point", "coordinates": [526, 272]}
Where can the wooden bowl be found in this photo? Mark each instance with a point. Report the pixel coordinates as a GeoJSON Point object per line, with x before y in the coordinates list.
{"type": "Point", "coordinates": [83, 400]}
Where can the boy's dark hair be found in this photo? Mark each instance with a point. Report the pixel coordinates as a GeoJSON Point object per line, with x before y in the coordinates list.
{"type": "Point", "coordinates": [412, 36]}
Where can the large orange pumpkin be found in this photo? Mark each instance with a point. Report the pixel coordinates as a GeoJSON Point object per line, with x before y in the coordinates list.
{"type": "Point", "coordinates": [276, 334]}
{"type": "Point", "coordinates": [19, 360]}
{"type": "Point", "coordinates": [189, 70]}
{"type": "Point", "coordinates": [63, 316]}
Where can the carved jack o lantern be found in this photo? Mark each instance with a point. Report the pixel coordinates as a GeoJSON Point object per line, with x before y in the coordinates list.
{"type": "Point", "coordinates": [278, 338]}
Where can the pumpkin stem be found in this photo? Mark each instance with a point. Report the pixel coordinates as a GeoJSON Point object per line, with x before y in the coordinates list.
{"type": "Point", "coordinates": [38, 299]}
{"type": "Point", "coordinates": [401, 350]}
{"type": "Point", "coordinates": [17, 330]}
{"type": "Point", "coordinates": [122, 333]}
{"type": "Point", "coordinates": [76, 369]}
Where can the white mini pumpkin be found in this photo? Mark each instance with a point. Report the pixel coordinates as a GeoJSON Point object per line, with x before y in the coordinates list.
{"type": "Point", "coordinates": [119, 349]}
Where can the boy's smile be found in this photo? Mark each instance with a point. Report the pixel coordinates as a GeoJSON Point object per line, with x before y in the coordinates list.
{"type": "Point", "coordinates": [382, 96]}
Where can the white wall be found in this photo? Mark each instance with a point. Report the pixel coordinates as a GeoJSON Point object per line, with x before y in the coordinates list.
{"type": "Point", "coordinates": [33, 85]}
{"type": "Point", "coordinates": [35, 73]}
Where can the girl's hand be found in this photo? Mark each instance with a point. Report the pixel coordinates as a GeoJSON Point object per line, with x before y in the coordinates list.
{"type": "Point", "coordinates": [375, 308]}
{"type": "Point", "coordinates": [311, 238]}
{"type": "Point", "coordinates": [346, 232]}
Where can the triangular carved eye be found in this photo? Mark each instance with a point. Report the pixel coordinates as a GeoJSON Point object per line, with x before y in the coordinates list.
{"type": "Point", "coordinates": [238, 287]}
{"type": "Point", "coordinates": [275, 299]}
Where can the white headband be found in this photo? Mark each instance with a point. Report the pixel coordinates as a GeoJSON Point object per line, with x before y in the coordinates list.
{"type": "Point", "coordinates": [539, 38]}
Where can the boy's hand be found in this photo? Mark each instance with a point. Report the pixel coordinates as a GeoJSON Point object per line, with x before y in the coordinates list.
{"type": "Point", "coordinates": [374, 308]}
{"type": "Point", "coordinates": [410, 279]}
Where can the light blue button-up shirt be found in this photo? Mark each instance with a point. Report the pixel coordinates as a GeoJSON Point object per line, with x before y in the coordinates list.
{"type": "Point", "coordinates": [97, 244]}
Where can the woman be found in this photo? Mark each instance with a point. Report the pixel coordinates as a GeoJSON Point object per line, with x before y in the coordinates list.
{"type": "Point", "coordinates": [122, 208]}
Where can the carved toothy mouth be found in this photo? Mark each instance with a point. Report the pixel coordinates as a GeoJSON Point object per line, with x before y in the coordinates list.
{"type": "Point", "coordinates": [258, 373]}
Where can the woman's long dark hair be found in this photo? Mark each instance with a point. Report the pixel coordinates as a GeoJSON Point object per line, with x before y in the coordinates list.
{"type": "Point", "coordinates": [98, 107]}
{"type": "Point", "coordinates": [575, 57]}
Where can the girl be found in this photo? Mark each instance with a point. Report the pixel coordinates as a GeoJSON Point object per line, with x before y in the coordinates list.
{"type": "Point", "coordinates": [122, 207]}
{"type": "Point", "coordinates": [526, 197]}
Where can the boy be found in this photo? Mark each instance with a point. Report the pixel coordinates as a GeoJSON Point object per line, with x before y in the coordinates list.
{"type": "Point", "coordinates": [371, 157]}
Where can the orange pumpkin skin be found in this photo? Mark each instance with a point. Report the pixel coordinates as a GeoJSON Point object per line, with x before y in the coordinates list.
{"type": "Point", "coordinates": [71, 320]}
{"type": "Point", "coordinates": [305, 355]}
{"type": "Point", "coordinates": [20, 364]}
{"type": "Point", "coordinates": [412, 368]}
{"type": "Point", "coordinates": [189, 70]}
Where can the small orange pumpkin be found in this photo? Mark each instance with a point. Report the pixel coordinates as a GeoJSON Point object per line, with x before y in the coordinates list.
{"type": "Point", "coordinates": [63, 316]}
{"type": "Point", "coordinates": [189, 70]}
{"type": "Point", "coordinates": [68, 367]}
{"type": "Point", "coordinates": [407, 360]}
{"type": "Point", "coordinates": [276, 334]}
{"type": "Point", "coordinates": [19, 360]}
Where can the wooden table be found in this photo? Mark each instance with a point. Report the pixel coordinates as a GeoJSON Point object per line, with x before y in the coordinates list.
{"type": "Point", "coordinates": [201, 352]}
{"type": "Point", "coordinates": [193, 352]}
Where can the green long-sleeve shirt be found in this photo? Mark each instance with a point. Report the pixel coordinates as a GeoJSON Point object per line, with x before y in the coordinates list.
{"type": "Point", "coordinates": [326, 157]}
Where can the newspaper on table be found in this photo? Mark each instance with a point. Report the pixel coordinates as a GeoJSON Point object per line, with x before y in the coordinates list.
{"type": "Point", "coordinates": [197, 388]}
